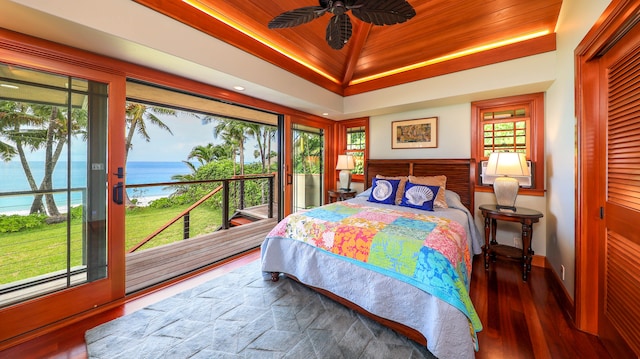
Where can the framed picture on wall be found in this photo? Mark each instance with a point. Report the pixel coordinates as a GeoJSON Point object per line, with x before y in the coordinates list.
{"type": "Point", "coordinates": [421, 133]}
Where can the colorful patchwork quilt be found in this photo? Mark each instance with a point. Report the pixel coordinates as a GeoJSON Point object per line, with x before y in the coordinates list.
{"type": "Point", "coordinates": [426, 251]}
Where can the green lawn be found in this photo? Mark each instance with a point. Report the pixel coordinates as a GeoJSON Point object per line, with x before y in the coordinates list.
{"type": "Point", "coordinates": [31, 253]}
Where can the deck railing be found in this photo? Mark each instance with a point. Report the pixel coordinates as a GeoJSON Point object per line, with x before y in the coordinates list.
{"type": "Point", "coordinates": [224, 187]}
{"type": "Point", "coordinates": [16, 285]}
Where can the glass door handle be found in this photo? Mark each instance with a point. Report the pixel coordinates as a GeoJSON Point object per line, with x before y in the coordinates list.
{"type": "Point", "coordinates": [118, 191]}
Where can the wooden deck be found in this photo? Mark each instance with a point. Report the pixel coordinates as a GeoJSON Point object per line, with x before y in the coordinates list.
{"type": "Point", "coordinates": [155, 265]}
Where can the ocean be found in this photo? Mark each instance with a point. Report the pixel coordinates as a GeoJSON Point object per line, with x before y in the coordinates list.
{"type": "Point", "coordinates": [13, 179]}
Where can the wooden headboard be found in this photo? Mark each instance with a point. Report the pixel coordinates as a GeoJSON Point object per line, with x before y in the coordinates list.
{"type": "Point", "coordinates": [460, 173]}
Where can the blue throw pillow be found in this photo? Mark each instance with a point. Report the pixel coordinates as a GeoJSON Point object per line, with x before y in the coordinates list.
{"type": "Point", "coordinates": [419, 196]}
{"type": "Point", "coordinates": [384, 191]}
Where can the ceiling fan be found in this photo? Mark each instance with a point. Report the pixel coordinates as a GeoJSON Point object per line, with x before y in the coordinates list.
{"type": "Point", "coordinates": [377, 12]}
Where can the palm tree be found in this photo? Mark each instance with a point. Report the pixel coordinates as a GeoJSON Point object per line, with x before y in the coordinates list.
{"type": "Point", "coordinates": [12, 116]}
{"type": "Point", "coordinates": [59, 128]}
{"type": "Point", "coordinates": [138, 116]}
{"type": "Point", "coordinates": [263, 135]}
{"type": "Point", "coordinates": [47, 126]}
{"type": "Point", "coordinates": [210, 153]}
{"type": "Point", "coordinates": [234, 133]}
{"type": "Point", "coordinates": [307, 147]}
{"type": "Point", "coordinates": [181, 188]}
{"type": "Point", "coordinates": [7, 150]}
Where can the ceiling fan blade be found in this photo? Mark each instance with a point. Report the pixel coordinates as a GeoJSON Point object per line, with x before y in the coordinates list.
{"type": "Point", "coordinates": [338, 31]}
{"type": "Point", "coordinates": [297, 17]}
{"type": "Point", "coordinates": [383, 12]}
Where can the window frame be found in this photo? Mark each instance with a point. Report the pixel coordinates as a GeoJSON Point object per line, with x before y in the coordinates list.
{"type": "Point", "coordinates": [535, 136]}
{"type": "Point", "coordinates": [341, 143]}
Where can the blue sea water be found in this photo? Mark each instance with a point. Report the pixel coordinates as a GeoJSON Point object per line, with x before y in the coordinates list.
{"type": "Point", "coordinates": [13, 179]}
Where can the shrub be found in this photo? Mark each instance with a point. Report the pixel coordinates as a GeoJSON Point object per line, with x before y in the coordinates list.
{"type": "Point", "coordinates": [16, 223]}
{"type": "Point", "coordinates": [77, 212]}
{"type": "Point", "coordinates": [162, 203]}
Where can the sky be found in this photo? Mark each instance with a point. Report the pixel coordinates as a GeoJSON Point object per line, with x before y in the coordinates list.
{"type": "Point", "coordinates": [188, 132]}
{"type": "Point", "coordinates": [164, 147]}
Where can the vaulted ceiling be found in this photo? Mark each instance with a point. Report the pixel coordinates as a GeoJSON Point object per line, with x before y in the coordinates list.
{"type": "Point", "coordinates": [445, 36]}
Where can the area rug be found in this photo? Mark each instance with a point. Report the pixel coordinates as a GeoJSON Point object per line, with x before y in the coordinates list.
{"type": "Point", "coordinates": [240, 315]}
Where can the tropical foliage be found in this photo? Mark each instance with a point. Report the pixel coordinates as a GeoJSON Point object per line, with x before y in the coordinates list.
{"type": "Point", "coordinates": [16, 223]}
{"type": "Point", "coordinates": [308, 152]}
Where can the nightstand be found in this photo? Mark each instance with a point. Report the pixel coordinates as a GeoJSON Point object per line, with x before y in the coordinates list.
{"type": "Point", "coordinates": [340, 195]}
{"type": "Point", "coordinates": [527, 217]}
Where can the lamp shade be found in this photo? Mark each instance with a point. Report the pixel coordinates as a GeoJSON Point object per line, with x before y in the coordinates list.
{"type": "Point", "coordinates": [345, 165]}
{"type": "Point", "coordinates": [507, 164]}
{"type": "Point", "coordinates": [345, 162]}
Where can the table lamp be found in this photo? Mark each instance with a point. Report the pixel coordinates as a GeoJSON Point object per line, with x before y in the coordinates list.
{"type": "Point", "coordinates": [505, 165]}
{"type": "Point", "coordinates": [345, 165]}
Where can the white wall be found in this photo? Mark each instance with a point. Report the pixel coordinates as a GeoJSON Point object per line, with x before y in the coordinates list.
{"type": "Point", "coordinates": [454, 131]}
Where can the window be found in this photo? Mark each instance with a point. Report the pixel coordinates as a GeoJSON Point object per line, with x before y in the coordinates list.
{"type": "Point", "coordinates": [505, 130]}
{"type": "Point", "coordinates": [352, 139]}
{"type": "Point", "coordinates": [356, 144]}
{"type": "Point", "coordinates": [511, 124]}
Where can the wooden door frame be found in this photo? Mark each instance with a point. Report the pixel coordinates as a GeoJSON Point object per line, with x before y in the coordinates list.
{"type": "Point", "coordinates": [30, 318]}
{"type": "Point", "coordinates": [329, 154]}
{"type": "Point", "coordinates": [614, 23]}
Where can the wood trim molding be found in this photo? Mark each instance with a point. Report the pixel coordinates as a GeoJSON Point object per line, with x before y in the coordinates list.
{"type": "Point", "coordinates": [340, 144]}
{"type": "Point", "coordinates": [536, 105]}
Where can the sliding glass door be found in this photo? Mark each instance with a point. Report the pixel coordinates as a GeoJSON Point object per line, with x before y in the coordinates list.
{"type": "Point", "coordinates": [54, 196]}
{"type": "Point", "coordinates": [308, 167]}
{"type": "Point", "coordinates": [305, 162]}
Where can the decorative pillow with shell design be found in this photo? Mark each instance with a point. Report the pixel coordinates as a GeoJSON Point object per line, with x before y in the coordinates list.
{"type": "Point", "coordinates": [440, 181]}
{"type": "Point", "coordinates": [384, 191]}
{"type": "Point", "coordinates": [403, 180]}
{"type": "Point", "coordinates": [419, 196]}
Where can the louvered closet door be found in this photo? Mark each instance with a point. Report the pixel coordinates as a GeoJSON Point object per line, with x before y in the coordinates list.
{"type": "Point", "coordinates": [621, 289]}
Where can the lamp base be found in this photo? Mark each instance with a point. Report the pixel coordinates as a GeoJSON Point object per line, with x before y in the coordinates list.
{"type": "Point", "coordinates": [506, 190]}
{"type": "Point", "coordinates": [345, 180]}
{"type": "Point", "coordinates": [506, 208]}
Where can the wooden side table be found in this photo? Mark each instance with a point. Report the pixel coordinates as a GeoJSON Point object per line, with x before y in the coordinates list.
{"type": "Point", "coordinates": [527, 217]}
{"type": "Point", "coordinates": [340, 195]}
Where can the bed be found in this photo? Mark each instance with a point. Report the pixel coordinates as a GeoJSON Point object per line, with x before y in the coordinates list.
{"type": "Point", "coordinates": [407, 266]}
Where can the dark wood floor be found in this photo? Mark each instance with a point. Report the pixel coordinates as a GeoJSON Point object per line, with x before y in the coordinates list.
{"type": "Point", "coordinates": [521, 320]}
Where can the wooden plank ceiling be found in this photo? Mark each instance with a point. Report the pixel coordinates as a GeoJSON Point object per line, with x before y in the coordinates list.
{"type": "Point", "coordinates": [439, 29]}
